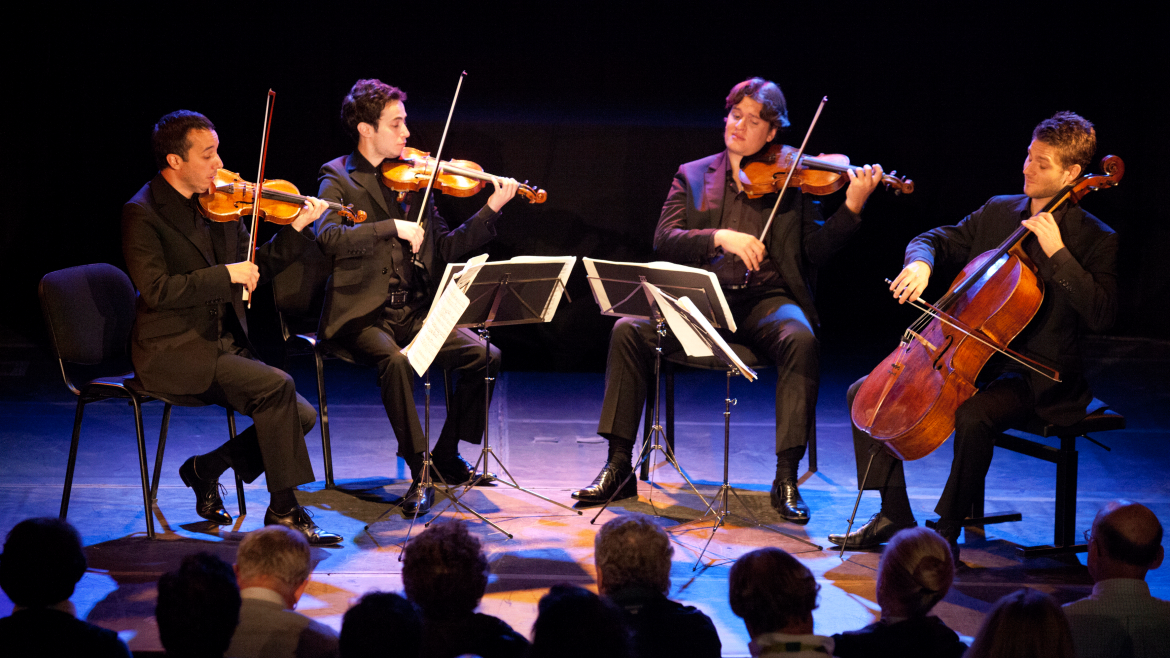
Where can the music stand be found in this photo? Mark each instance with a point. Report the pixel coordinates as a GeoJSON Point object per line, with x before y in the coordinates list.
{"type": "Point", "coordinates": [683, 311]}
{"type": "Point", "coordinates": [631, 285]}
{"type": "Point", "coordinates": [519, 291]}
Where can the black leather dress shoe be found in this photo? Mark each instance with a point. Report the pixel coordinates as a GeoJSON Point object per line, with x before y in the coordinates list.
{"type": "Point", "coordinates": [418, 501]}
{"type": "Point", "coordinates": [299, 519]}
{"type": "Point", "coordinates": [606, 483]}
{"type": "Point", "coordinates": [457, 470]}
{"type": "Point", "coordinates": [879, 530]}
{"type": "Point", "coordinates": [208, 500]}
{"type": "Point", "coordinates": [787, 501]}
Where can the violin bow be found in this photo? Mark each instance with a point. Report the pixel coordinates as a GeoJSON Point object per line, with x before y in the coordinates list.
{"type": "Point", "coordinates": [792, 169]}
{"type": "Point", "coordinates": [259, 189]}
{"type": "Point", "coordinates": [439, 154]}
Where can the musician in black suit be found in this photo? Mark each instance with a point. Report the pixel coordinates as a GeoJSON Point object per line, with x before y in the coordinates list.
{"type": "Point", "coordinates": [385, 273]}
{"type": "Point", "coordinates": [709, 221]}
{"type": "Point", "coordinates": [1076, 257]}
{"type": "Point", "coordinates": [190, 333]}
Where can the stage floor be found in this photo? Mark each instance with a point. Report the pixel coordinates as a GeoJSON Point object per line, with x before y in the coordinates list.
{"type": "Point", "coordinates": [542, 428]}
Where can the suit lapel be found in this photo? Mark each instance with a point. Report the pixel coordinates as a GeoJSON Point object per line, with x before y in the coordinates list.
{"type": "Point", "coordinates": [714, 183]}
{"type": "Point", "coordinates": [178, 215]}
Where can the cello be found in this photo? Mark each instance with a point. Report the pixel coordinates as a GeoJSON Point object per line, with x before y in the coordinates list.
{"type": "Point", "coordinates": [908, 402]}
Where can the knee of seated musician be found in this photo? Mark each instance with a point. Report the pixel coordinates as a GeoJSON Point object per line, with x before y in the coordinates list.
{"type": "Point", "coordinates": [631, 332]}
{"type": "Point", "coordinates": [306, 414]}
{"type": "Point", "coordinates": [392, 364]}
{"type": "Point", "coordinates": [852, 392]}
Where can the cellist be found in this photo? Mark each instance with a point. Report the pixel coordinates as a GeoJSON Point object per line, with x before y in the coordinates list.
{"type": "Point", "coordinates": [1077, 259]}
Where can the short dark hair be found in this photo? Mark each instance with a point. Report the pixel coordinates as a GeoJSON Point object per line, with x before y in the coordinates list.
{"type": "Point", "coordinates": [198, 607]}
{"type": "Point", "coordinates": [767, 94]}
{"type": "Point", "coordinates": [377, 616]}
{"type": "Point", "coordinates": [770, 589]}
{"type": "Point", "coordinates": [444, 572]}
{"type": "Point", "coordinates": [573, 622]}
{"type": "Point", "coordinates": [170, 134]}
{"type": "Point", "coordinates": [632, 551]}
{"type": "Point", "coordinates": [1072, 136]}
{"type": "Point", "coordinates": [42, 562]}
{"type": "Point", "coordinates": [1123, 549]}
{"type": "Point", "coordinates": [365, 102]}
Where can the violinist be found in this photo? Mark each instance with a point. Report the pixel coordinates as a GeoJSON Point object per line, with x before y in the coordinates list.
{"type": "Point", "coordinates": [709, 221]}
{"type": "Point", "coordinates": [1077, 259]}
{"type": "Point", "coordinates": [384, 275]}
{"type": "Point", "coordinates": [190, 333]}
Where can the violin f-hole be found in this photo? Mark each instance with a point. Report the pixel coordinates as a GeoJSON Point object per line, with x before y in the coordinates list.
{"type": "Point", "coordinates": [942, 352]}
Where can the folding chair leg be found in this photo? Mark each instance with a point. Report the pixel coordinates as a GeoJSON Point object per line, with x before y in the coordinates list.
{"type": "Point", "coordinates": [325, 447]}
{"type": "Point", "coordinates": [72, 458]}
{"type": "Point", "coordinates": [158, 457]}
{"type": "Point", "coordinates": [146, 506]}
{"type": "Point", "coordinates": [239, 482]}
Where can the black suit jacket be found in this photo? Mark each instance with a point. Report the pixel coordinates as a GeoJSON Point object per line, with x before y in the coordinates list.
{"type": "Point", "coordinates": [1080, 293]}
{"type": "Point", "coordinates": [360, 254]}
{"type": "Point", "coordinates": [799, 241]}
{"type": "Point", "coordinates": [175, 340]}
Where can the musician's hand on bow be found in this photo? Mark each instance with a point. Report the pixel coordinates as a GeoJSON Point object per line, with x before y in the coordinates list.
{"type": "Point", "coordinates": [1044, 226]}
{"type": "Point", "coordinates": [410, 232]}
{"type": "Point", "coordinates": [747, 247]}
{"type": "Point", "coordinates": [911, 282]}
{"type": "Point", "coordinates": [244, 272]}
{"type": "Point", "coordinates": [862, 182]}
{"type": "Point", "coordinates": [312, 210]}
{"type": "Point", "coordinates": [505, 190]}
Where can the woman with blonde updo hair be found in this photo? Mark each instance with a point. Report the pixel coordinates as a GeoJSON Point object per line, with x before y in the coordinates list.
{"type": "Point", "coordinates": [915, 573]}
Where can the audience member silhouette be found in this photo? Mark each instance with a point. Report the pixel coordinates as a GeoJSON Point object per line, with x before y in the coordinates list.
{"type": "Point", "coordinates": [1023, 624]}
{"type": "Point", "coordinates": [381, 625]}
{"type": "Point", "coordinates": [41, 564]}
{"type": "Point", "coordinates": [1120, 617]}
{"type": "Point", "coordinates": [632, 556]}
{"type": "Point", "coordinates": [445, 574]}
{"type": "Point", "coordinates": [776, 595]}
{"type": "Point", "coordinates": [915, 573]}
{"type": "Point", "coordinates": [273, 569]}
{"type": "Point", "coordinates": [573, 622]}
{"type": "Point", "coordinates": [198, 607]}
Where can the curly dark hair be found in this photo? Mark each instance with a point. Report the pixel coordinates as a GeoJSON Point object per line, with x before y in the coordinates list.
{"type": "Point", "coordinates": [42, 562]}
{"type": "Point", "coordinates": [198, 607]}
{"type": "Point", "coordinates": [766, 93]}
{"type": "Point", "coordinates": [1072, 136]}
{"type": "Point", "coordinates": [770, 589]}
{"type": "Point", "coordinates": [365, 102]}
{"type": "Point", "coordinates": [170, 134]}
{"type": "Point", "coordinates": [444, 571]}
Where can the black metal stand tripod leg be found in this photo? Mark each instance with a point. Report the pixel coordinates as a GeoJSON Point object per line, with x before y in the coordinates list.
{"type": "Point", "coordinates": [860, 490]}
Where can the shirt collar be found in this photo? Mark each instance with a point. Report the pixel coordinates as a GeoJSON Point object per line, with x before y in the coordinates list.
{"type": "Point", "coordinates": [1130, 586]}
{"type": "Point", "coordinates": [773, 643]}
{"type": "Point", "coordinates": [364, 165]}
{"type": "Point", "coordinates": [262, 594]}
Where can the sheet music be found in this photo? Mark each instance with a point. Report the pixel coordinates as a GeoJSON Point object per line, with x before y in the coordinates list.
{"type": "Point", "coordinates": [598, 288]}
{"type": "Point", "coordinates": [692, 344]}
{"type": "Point", "coordinates": [687, 305]}
{"type": "Point", "coordinates": [466, 276]}
{"type": "Point", "coordinates": [439, 323]}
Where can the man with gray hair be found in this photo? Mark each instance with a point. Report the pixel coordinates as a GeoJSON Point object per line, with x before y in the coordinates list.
{"type": "Point", "coordinates": [272, 566]}
{"type": "Point", "coordinates": [632, 556]}
{"type": "Point", "coordinates": [1120, 617]}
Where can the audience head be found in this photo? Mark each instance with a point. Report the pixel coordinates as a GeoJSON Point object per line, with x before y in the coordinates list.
{"type": "Point", "coordinates": [573, 622]}
{"type": "Point", "coordinates": [198, 607]}
{"type": "Point", "coordinates": [444, 572]}
{"type": "Point", "coordinates": [276, 558]}
{"type": "Point", "coordinates": [1023, 624]}
{"type": "Point", "coordinates": [915, 573]}
{"type": "Point", "coordinates": [41, 563]}
{"type": "Point", "coordinates": [773, 592]}
{"type": "Point", "coordinates": [376, 617]}
{"type": "Point", "coordinates": [632, 551]}
{"type": "Point", "coordinates": [1125, 542]}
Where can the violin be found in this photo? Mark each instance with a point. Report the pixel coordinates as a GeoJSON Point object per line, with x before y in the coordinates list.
{"type": "Point", "coordinates": [231, 196]}
{"type": "Point", "coordinates": [908, 402]}
{"type": "Point", "coordinates": [461, 178]}
{"type": "Point", "coordinates": [820, 175]}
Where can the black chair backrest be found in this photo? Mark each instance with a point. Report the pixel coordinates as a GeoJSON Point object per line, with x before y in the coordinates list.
{"type": "Point", "coordinates": [89, 312]}
{"type": "Point", "coordinates": [299, 291]}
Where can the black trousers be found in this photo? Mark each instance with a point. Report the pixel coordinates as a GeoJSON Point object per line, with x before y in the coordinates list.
{"type": "Point", "coordinates": [380, 346]}
{"type": "Point", "coordinates": [275, 443]}
{"type": "Point", "coordinates": [1004, 402]}
{"type": "Point", "coordinates": [767, 320]}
